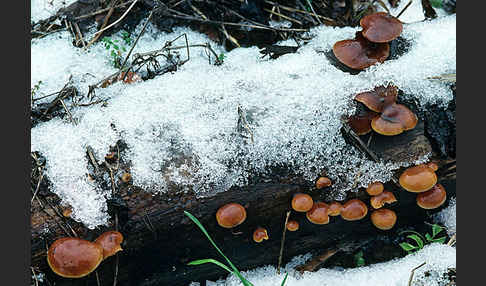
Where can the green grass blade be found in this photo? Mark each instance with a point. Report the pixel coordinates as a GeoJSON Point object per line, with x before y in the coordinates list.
{"type": "Point", "coordinates": [210, 260]}
{"type": "Point", "coordinates": [285, 279]}
{"type": "Point", "coordinates": [201, 227]}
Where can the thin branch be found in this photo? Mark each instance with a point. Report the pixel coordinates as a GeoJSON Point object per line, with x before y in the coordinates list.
{"type": "Point", "coordinates": [411, 274]}
{"type": "Point", "coordinates": [282, 242]}
{"type": "Point", "coordinates": [117, 21]}
{"type": "Point", "coordinates": [404, 8]}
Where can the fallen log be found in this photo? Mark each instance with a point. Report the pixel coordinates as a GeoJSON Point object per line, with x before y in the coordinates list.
{"type": "Point", "coordinates": [160, 240]}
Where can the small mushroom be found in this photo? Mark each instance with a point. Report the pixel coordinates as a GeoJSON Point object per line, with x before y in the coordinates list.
{"type": "Point", "coordinates": [383, 219]}
{"type": "Point", "coordinates": [318, 214]}
{"type": "Point", "coordinates": [323, 182]}
{"type": "Point", "coordinates": [126, 177]}
{"type": "Point", "coordinates": [381, 27]}
{"type": "Point", "coordinates": [231, 215]}
{"type": "Point", "coordinates": [335, 209]}
{"type": "Point", "coordinates": [361, 121]}
{"type": "Point", "coordinates": [395, 119]}
{"type": "Point", "coordinates": [292, 225]}
{"type": "Point", "coordinates": [260, 234]}
{"type": "Point", "coordinates": [384, 198]}
{"type": "Point", "coordinates": [110, 241]}
{"type": "Point", "coordinates": [302, 202]}
{"type": "Point", "coordinates": [418, 179]}
{"type": "Point", "coordinates": [359, 53]}
{"type": "Point", "coordinates": [432, 198]}
{"type": "Point", "coordinates": [375, 188]}
{"type": "Point", "coordinates": [378, 98]}
{"type": "Point", "coordinates": [73, 257]}
{"type": "Point", "coordinates": [354, 210]}
{"type": "Point", "coordinates": [433, 166]}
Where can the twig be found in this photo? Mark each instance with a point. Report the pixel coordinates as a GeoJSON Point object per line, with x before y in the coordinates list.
{"type": "Point", "coordinates": [452, 240]}
{"type": "Point", "coordinates": [117, 21]}
{"type": "Point", "coordinates": [38, 186]}
{"type": "Point", "coordinates": [411, 274]}
{"type": "Point", "coordinates": [237, 24]}
{"type": "Point", "coordinates": [105, 22]}
{"type": "Point", "coordinates": [67, 111]}
{"type": "Point", "coordinates": [312, 8]}
{"type": "Point", "coordinates": [102, 10]}
{"type": "Point", "coordinates": [35, 276]}
{"type": "Point", "coordinates": [283, 16]}
{"type": "Point", "coordinates": [136, 40]}
{"type": "Point", "coordinates": [404, 8]}
{"type": "Point", "coordinates": [316, 261]}
{"type": "Point", "coordinates": [282, 243]}
{"type": "Point", "coordinates": [80, 34]}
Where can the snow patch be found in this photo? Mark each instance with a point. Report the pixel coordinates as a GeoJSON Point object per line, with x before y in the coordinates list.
{"type": "Point", "coordinates": [438, 258]}
{"type": "Point", "coordinates": [180, 128]}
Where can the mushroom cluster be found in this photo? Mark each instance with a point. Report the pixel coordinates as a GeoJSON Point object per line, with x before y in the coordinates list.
{"type": "Point", "coordinates": [421, 179]}
{"type": "Point", "coordinates": [383, 115]}
{"type": "Point", "coordinates": [371, 45]}
{"type": "Point", "coordinates": [73, 257]}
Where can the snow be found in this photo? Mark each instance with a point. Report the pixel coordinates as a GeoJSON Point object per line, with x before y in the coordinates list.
{"type": "Point", "coordinates": [43, 9]}
{"type": "Point", "coordinates": [180, 128]}
{"type": "Point", "coordinates": [438, 258]}
{"type": "Point", "coordinates": [447, 217]}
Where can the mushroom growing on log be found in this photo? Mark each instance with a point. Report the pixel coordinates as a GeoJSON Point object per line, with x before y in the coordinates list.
{"type": "Point", "coordinates": [159, 237]}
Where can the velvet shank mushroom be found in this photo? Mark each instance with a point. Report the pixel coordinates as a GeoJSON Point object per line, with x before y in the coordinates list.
{"type": "Point", "coordinates": [231, 215]}
{"type": "Point", "coordinates": [260, 234]}
{"type": "Point", "coordinates": [361, 121]}
{"type": "Point", "coordinates": [354, 210]}
{"type": "Point", "coordinates": [292, 225]}
{"type": "Point", "coordinates": [318, 214]}
{"type": "Point", "coordinates": [302, 202]}
{"type": "Point", "coordinates": [378, 98]}
{"type": "Point", "coordinates": [395, 119]}
{"type": "Point", "coordinates": [432, 198]}
{"type": "Point", "coordinates": [73, 257]}
{"type": "Point", "coordinates": [323, 182]}
{"type": "Point", "coordinates": [335, 209]}
{"type": "Point", "coordinates": [360, 53]}
{"type": "Point", "coordinates": [375, 188]}
{"type": "Point", "coordinates": [384, 198]}
{"type": "Point", "coordinates": [418, 179]}
{"type": "Point", "coordinates": [381, 27]}
{"type": "Point", "coordinates": [383, 219]}
{"type": "Point", "coordinates": [110, 241]}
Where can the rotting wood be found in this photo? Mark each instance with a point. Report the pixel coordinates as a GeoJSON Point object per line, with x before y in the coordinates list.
{"type": "Point", "coordinates": [160, 240]}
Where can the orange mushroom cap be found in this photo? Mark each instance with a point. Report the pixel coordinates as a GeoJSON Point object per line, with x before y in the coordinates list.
{"type": "Point", "coordinates": [302, 202]}
{"type": "Point", "coordinates": [323, 182]}
{"type": "Point", "coordinates": [384, 198]}
{"type": "Point", "coordinates": [354, 210]}
{"type": "Point", "coordinates": [378, 98]}
{"type": "Point", "coordinates": [381, 27]}
{"type": "Point", "coordinates": [432, 198]}
{"type": "Point", "coordinates": [375, 188]}
{"type": "Point", "coordinates": [260, 234]}
{"type": "Point", "coordinates": [383, 219]}
{"type": "Point", "coordinates": [110, 241]}
{"type": "Point", "coordinates": [361, 121]}
{"type": "Point", "coordinates": [359, 53]}
{"type": "Point", "coordinates": [395, 119]}
{"type": "Point", "coordinates": [335, 209]}
{"type": "Point", "coordinates": [292, 225]}
{"type": "Point", "coordinates": [418, 179]}
{"type": "Point", "coordinates": [231, 215]}
{"type": "Point", "coordinates": [73, 257]}
{"type": "Point", "coordinates": [433, 166]}
{"type": "Point", "coordinates": [318, 214]}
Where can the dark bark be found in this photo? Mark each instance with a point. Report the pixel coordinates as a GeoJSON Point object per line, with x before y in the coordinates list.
{"type": "Point", "coordinates": [160, 239]}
